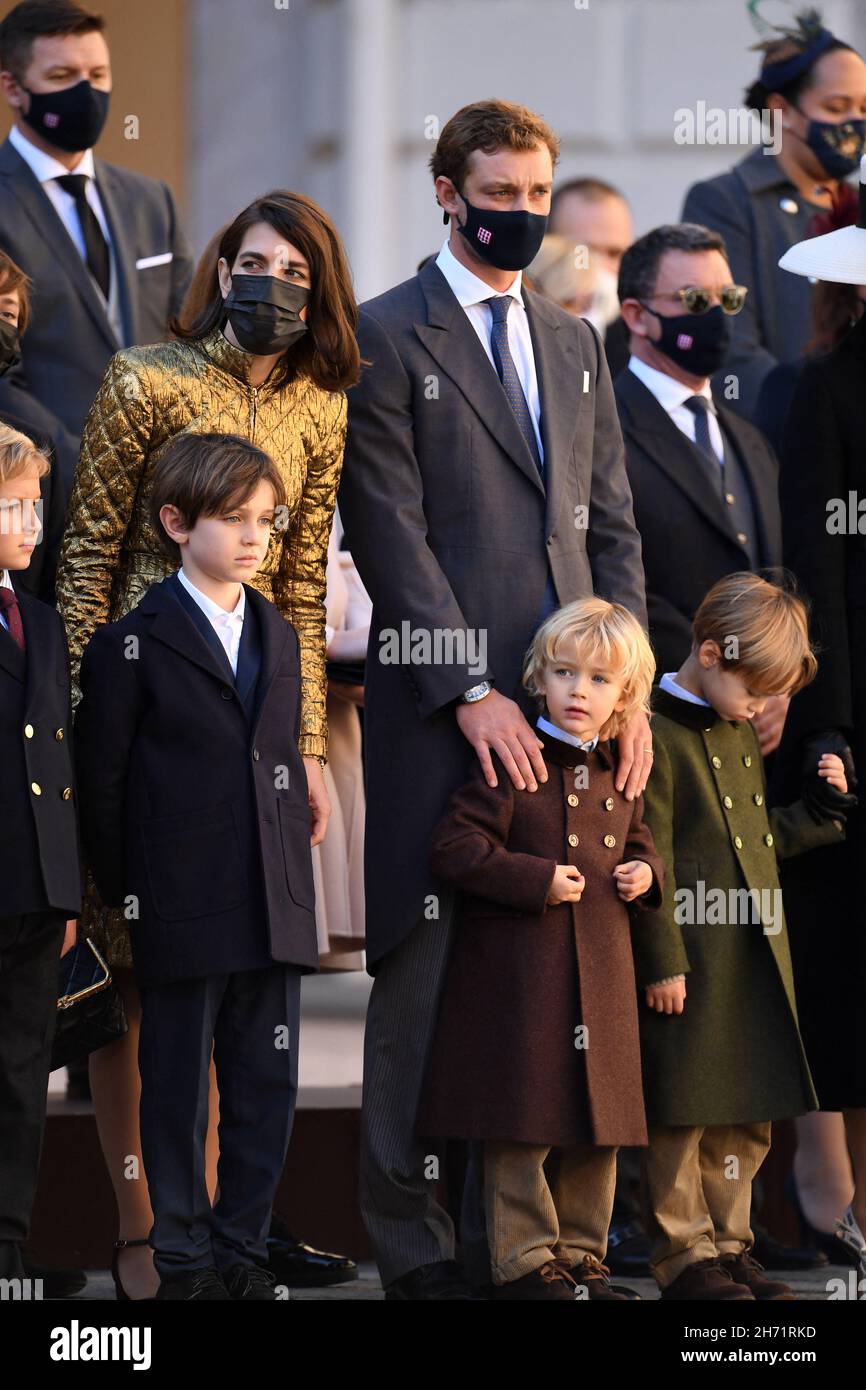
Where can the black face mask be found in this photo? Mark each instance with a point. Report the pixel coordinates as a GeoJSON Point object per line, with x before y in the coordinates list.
{"type": "Point", "coordinates": [507, 240]}
{"type": "Point", "coordinates": [825, 138]}
{"type": "Point", "coordinates": [696, 342]}
{"type": "Point", "coordinates": [71, 119]}
{"type": "Point", "coordinates": [263, 311]}
{"type": "Point", "coordinates": [10, 346]}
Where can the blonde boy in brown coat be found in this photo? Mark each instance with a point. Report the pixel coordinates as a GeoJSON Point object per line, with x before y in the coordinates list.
{"type": "Point", "coordinates": [537, 1050]}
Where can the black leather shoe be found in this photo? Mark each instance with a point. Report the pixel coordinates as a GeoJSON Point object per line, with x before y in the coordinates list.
{"type": "Point", "coordinates": [628, 1250]}
{"type": "Point", "coordinates": [248, 1283]}
{"type": "Point", "coordinates": [119, 1291]}
{"type": "Point", "coordinates": [441, 1280]}
{"type": "Point", "coordinates": [56, 1283]}
{"type": "Point", "coordinates": [200, 1285]}
{"type": "Point", "coordinates": [772, 1254]}
{"type": "Point", "coordinates": [299, 1266]}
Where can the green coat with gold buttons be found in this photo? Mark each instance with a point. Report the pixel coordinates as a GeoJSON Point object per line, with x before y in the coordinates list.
{"type": "Point", "coordinates": [734, 1055]}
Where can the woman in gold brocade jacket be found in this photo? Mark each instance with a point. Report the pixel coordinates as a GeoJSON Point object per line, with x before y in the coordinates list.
{"type": "Point", "coordinates": [265, 348]}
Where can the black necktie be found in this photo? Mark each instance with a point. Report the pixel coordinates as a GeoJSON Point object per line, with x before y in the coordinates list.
{"type": "Point", "coordinates": [98, 260]}
{"type": "Point", "coordinates": [499, 306]}
{"type": "Point", "coordinates": [700, 407]}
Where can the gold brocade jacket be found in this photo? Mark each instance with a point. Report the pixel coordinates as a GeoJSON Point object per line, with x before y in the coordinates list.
{"type": "Point", "coordinates": [110, 555]}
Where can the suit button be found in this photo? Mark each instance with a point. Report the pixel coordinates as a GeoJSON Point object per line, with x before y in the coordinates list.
{"type": "Point", "coordinates": [738, 844]}
{"type": "Point", "coordinates": [610, 841]}
{"type": "Point", "coordinates": [58, 734]}
{"type": "Point", "coordinates": [758, 799]}
{"type": "Point", "coordinates": [729, 498]}
{"type": "Point", "coordinates": [608, 805]}
{"type": "Point", "coordinates": [573, 841]}
{"type": "Point", "coordinates": [747, 760]}
{"type": "Point", "coordinates": [726, 801]}
{"type": "Point", "coordinates": [716, 760]}
{"type": "Point", "coordinates": [66, 793]}
{"type": "Point", "coordinates": [742, 537]}
{"type": "Point", "coordinates": [35, 788]}
{"type": "Point", "coordinates": [256, 755]}
{"type": "Point", "coordinates": [226, 693]}
{"type": "Point", "coordinates": [28, 730]}
{"type": "Point", "coordinates": [572, 799]}
{"type": "Point", "coordinates": [768, 841]}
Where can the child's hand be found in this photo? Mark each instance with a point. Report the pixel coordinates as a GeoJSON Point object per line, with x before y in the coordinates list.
{"type": "Point", "coordinates": [633, 879]}
{"type": "Point", "coordinates": [833, 768]}
{"type": "Point", "coordinates": [567, 886]}
{"type": "Point", "coordinates": [667, 999]}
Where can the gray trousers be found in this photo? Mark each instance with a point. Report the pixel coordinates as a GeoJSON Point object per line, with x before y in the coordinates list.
{"type": "Point", "coordinates": [406, 1224]}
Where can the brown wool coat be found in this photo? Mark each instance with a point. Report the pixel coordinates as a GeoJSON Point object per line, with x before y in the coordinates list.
{"type": "Point", "coordinates": [523, 976]}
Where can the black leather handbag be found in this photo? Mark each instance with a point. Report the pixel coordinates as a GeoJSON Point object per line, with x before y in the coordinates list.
{"type": "Point", "coordinates": [90, 1011]}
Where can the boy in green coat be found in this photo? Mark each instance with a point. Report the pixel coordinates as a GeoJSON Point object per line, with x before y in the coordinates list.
{"type": "Point", "coordinates": [725, 1059]}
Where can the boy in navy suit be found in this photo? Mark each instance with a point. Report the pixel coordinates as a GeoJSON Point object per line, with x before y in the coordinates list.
{"type": "Point", "coordinates": [196, 820]}
{"type": "Point", "coordinates": [40, 880]}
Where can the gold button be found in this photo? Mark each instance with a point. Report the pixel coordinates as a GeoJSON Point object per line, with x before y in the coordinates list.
{"type": "Point", "coordinates": [758, 799]}
{"type": "Point", "coordinates": [716, 760]}
{"type": "Point", "coordinates": [28, 730]}
{"type": "Point", "coordinates": [35, 788]}
{"type": "Point", "coordinates": [66, 793]}
{"type": "Point", "coordinates": [610, 841]}
{"type": "Point", "coordinates": [58, 734]}
{"type": "Point", "coordinates": [738, 844]}
{"type": "Point", "coordinates": [608, 805]}
{"type": "Point", "coordinates": [768, 841]}
{"type": "Point", "coordinates": [727, 802]}
{"type": "Point", "coordinates": [729, 498]}
{"type": "Point", "coordinates": [709, 730]}
{"type": "Point", "coordinates": [742, 537]}
{"type": "Point", "coordinates": [747, 760]}
{"type": "Point", "coordinates": [573, 840]}
{"type": "Point", "coordinates": [572, 799]}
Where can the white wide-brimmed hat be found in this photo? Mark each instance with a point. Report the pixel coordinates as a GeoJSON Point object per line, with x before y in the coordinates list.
{"type": "Point", "coordinates": [839, 256]}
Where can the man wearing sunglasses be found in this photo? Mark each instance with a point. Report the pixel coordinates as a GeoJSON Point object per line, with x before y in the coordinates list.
{"type": "Point", "coordinates": [703, 480]}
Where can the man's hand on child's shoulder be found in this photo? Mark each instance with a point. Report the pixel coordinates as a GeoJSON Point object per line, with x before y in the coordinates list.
{"type": "Point", "coordinates": [633, 879]}
{"type": "Point", "coordinates": [668, 996]}
{"type": "Point", "coordinates": [567, 885]}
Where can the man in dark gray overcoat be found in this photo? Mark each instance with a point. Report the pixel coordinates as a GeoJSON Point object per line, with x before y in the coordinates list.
{"type": "Point", "coordinates": [484, 485]}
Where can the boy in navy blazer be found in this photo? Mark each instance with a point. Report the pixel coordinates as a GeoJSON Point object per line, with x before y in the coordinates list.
{"type": "Point", "coordinates": [40, 879]}
{"type": "Point", "coordinates": [196, 820]}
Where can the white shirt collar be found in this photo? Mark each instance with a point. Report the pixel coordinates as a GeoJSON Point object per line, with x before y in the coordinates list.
{"type": "Point", "coordinates": [212, 610]}
{"type": "Point", "coordinates": [669, 392]}
{"type": "Point", "coordinates": [467, 286]}
{"type": "Point", "coordinates": [45, 166]}
{"type": "Point", "coordinates": [545, 725]}
{"type": "Point", "coordinates": [668, 683]}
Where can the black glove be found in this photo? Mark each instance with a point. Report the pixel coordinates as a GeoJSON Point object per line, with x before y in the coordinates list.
{"type": "Point", "coordinates": [823, 801]}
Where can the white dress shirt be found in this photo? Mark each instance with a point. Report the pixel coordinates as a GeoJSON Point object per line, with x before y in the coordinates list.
{"type": "Point", "coordinates": [671, 395]}
{"type": "Point", "coordinates": [47, 170]}
{"type": "Point", "coordinates": [5, 583]}
{"type": "Point", "coordinates": [227, 626]}
{"type": "Point", "coordinates": [668, 683]}
{"type": "Point", "coordinates": [553, 729]}
{"type": "Point", "coordinates": [470, 292]}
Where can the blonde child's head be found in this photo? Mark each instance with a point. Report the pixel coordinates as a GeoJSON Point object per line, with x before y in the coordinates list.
{"type": "Point", "coordinates": [758, 631]}
{"type": "Point", "coordinates": [594, 635]}
{"type": "Point", "coordinates": [22, 464]}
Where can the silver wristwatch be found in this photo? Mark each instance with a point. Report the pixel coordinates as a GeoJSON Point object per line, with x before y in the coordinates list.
{"type": "Point", "coordinates": [476, 693]}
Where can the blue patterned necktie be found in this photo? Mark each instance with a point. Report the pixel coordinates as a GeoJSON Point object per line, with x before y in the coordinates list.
{"type": "Point", "coordinates": [700, 408]}
{"type": "Point", "coordinates": [499, 306]}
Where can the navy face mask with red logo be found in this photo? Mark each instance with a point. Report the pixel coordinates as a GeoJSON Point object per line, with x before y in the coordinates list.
{"type": "Point", "coordinates": [507, 240]}
{"type": "Point", "coordinates": [698, 343]}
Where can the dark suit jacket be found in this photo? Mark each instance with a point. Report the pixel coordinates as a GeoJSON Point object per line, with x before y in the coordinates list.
{"type": "Point", "coordinates": [194, 796]}
{"type": "Point", "coordinates": [745, 205]}
{"type": "Point", "coordinates": [39, 850]}
{"type": "Point", "coordinates": [40, 574]}
{"type": "Point", "coordinates": [687, 537]}
{"type": "Point", "coordinates": [69, 340]}
{"type": "Point", "coordinates": [451, 529]}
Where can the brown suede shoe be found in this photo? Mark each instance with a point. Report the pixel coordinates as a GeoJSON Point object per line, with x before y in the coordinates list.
{"type": "Point", "coordinates": [707, 1280]}
{"type": "Point", "coordinates": [596, 1277]}
{"type": "Point", "coordinates": [744, 1269]}
{"type": "Point", "coordinates": [550, 1280]}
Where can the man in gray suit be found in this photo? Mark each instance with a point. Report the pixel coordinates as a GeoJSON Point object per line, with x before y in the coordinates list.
{"type": "Point", "coordinates": [484, 485]}
{"type": "Point", "coordinates": [103, 247]}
